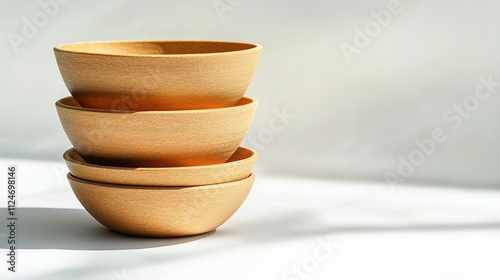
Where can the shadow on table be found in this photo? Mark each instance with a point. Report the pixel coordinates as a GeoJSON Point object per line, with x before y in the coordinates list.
{"type": "Point", "coordinates": [301, 224]}
{"type": "Point", "coordinates": [75, 229]}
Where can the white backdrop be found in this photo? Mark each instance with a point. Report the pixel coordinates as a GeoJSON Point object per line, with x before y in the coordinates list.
{"type": "Point", "coordinates": [358, 81]}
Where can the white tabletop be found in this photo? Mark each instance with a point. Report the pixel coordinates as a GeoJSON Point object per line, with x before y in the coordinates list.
{"type": "Point", "coordinates": [288, 228]}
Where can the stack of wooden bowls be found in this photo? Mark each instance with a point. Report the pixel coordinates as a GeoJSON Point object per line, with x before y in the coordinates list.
{"type": "Point", "coordinates": [156, 128]}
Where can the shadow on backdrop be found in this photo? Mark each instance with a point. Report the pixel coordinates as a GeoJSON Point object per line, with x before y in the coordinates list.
{"type": "Point", "coordinates": [75, 229]}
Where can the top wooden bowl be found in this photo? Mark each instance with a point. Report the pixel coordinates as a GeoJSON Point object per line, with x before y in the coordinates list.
{"type": "Point", "coordinates": [157, 75]}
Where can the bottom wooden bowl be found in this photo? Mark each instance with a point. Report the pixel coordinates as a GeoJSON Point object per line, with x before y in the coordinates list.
{"type": "Point", "coordinates": [161, 211]}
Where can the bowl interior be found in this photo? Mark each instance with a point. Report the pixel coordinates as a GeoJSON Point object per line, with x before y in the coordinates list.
{"type": "Point", "coordinates": [141, 48]}
{"type": "Point", "coordinates": [72, 155]}
{"type": "Point", "coordinates": [70, 103]}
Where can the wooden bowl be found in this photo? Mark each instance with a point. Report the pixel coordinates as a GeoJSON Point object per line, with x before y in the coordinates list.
{"type": "Point", "coordinates": [161, 211]}
{"type": "Point", "coordinates": [237, 167]}
{"type": "Point", "coordinates": [157, 75]}
{"type": "Point", "coordinates": [156, 138]}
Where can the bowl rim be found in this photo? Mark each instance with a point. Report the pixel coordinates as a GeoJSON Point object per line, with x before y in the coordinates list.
{"type": "Point", "coordinates": [59, 103]}
{"type": "Point", "coordinates": [253, 47]}
{"type": "Point", "coordinates": [67, 157]}
{"type": "Point", "coordinates": [71, 177]}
